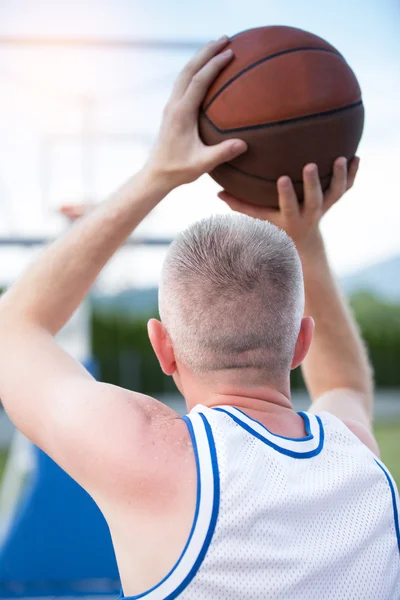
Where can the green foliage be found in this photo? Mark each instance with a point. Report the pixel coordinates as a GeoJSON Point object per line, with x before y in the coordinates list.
{"type": "Point", "coordinates": [3, 460]}
{"type": "Point", "coordinates": [379, 323]}
{"type": "Point", "coordinates": [121, 345]}
{"type": "Point", "coordinates": [388, 438]}
{"type": "Point", "coordinates": [375, 315]}
{"type": "Point", "coordinates": [122, 348]}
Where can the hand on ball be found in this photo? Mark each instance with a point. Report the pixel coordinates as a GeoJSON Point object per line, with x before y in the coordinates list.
{"type": "Point", "coordinates": [301, 221]}
{"type": "Point", "coordinates": [179, 156]}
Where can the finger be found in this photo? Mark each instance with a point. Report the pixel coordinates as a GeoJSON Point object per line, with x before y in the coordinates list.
{"type": "Point", "coordinates": [257, 212]}
{"type": "Point", "coordinates": [288, 201]}
{"type": "Point", "coordinates": [75, 211]}
{"type": "Point", "coordinates": [71, 216]}
{"type": "Point", "coordinates": [223, 152]}
{"type": "Point", "coordinates": [338, 183]}
{"type": "Point", "coordinates": [195, 64]}
{"type": "Point", "coordinates": [352, 172]}
{"type": "Point", "coordinates": [313, 196]}
{"type": "Point", "coordinates": [70, 211]}
{"type": "Point", "coordinates": [202, 80]}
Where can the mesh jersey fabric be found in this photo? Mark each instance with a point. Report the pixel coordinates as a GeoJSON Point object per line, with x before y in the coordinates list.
{"type": "Point", "coordinates": [286, 519]}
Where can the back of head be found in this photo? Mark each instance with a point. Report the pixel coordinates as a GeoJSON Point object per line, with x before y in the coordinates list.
{"type": "Point", "coordinates": [232, 296]}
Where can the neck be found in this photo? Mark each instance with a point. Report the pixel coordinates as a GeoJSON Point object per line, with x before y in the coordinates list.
{"type": "Point", "coordinates": [260, 399]}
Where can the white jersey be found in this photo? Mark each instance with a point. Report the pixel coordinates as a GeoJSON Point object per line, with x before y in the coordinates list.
{"type": "Point", "coordinates": [286, 519]}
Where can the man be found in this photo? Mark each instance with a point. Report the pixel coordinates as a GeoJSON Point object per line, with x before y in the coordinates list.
{"type": "Point", "coordinates": [243, 498]}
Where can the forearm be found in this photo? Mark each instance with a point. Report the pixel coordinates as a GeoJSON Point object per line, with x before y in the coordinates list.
{"type": "Point", "coordinates": [337, 357]}
{"type": "Point", "coordinates": [53, 287]}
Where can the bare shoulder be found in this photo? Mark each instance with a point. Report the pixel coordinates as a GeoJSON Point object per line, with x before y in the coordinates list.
{"type": "Point", "coordinates": [165, 430]}
{"type": "Point", "coordinates": [353, 409]}
{"type": "Point", "coordinates": [120, 445]}
{"type": "Point", "coordinates": [163, 453]}
{"type": "Point", "coordinates": [161, 437]}
{"type": "Point", "coordinates": [364, 434]}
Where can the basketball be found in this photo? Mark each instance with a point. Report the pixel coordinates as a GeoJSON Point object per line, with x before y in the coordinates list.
{"type": "Point", "coordinates": [293, 99]}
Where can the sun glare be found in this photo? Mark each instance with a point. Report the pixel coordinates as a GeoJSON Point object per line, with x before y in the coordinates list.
{"type": "Point", "coordinates": [50, 84]}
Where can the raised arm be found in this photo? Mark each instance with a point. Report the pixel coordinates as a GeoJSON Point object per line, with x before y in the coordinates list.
{"type": "Point", "coordinates": [336, 370]}
{"type": "Point", "coordinates": [337, 359]}
{"type": "Point", "coordinates": [52, 399]}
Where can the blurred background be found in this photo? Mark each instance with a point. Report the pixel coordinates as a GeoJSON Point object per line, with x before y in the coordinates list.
{"type": "Point", "coordinates": [82, 87]}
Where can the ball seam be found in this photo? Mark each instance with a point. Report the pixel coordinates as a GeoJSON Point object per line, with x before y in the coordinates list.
{"type": "Point", "coordinates": [265, 59]}
{"type": "Point", "coordinates": [266, 179]}
{"type": "Point", "coordinates": [283, 121]}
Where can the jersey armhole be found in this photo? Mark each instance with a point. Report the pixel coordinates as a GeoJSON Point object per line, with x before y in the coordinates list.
{"type": "Point", "coordinates": [365, 436]}
{"type": "Point", "coordinates": [205, 517]}
{"type": "Point", "coordinates": [395, 499]}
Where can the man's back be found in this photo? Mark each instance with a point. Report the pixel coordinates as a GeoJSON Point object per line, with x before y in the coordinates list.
{"type": "Point", "coordinates": [239, 298]}
{"type": "Point", "coordinates": [280, 517]}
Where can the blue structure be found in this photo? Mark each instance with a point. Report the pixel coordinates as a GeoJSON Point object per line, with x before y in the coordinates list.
{"type": "Point", "coordinates": [59, 543]}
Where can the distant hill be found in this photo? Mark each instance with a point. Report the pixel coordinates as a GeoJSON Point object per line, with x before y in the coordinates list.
{"type": "Point", "coordinates": [382, 279]}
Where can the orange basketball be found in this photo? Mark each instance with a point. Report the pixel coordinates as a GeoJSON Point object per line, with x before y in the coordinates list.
{"type": "Point", "coordinates": [294, 99]}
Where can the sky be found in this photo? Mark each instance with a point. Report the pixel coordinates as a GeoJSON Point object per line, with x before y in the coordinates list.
{"type": "Point", "coordinates": [48, 97]}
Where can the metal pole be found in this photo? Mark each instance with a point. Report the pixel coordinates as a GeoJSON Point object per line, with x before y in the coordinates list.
{"type": "Point", "coordinates": [40, 241]}
{"type": "Point", "coordinates": [87, 148]}
{"type": "Point", "coordinates": [109, 43]}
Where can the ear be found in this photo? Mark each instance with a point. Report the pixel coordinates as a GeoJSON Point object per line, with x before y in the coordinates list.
{"type": "Point", "coordinates": [303, 341]}
{"type": "Point", "coordinates": [162, 346]}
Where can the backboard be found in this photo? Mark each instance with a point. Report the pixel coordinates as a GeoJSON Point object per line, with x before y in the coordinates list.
{"type": "Point", "coordinates": [77, 116]}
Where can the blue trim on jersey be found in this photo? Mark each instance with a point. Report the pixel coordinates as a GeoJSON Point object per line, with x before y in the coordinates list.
{"type": "Point", "coordinates": [196, 514]}
{"type": "Point", "coordinates": [213, 521]}
{"type": "Point", "coordinates": [307, 427]}
{"type": "Point", "coordinates": [214, 514]}
{"type": "Point", "coordinates": [393, 494]}
{"type": "Point", "coordinates": [285, 451]}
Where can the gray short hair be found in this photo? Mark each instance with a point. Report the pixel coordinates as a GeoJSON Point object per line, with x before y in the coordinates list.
{"type": "Point", "coordinates": [232, 295]}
